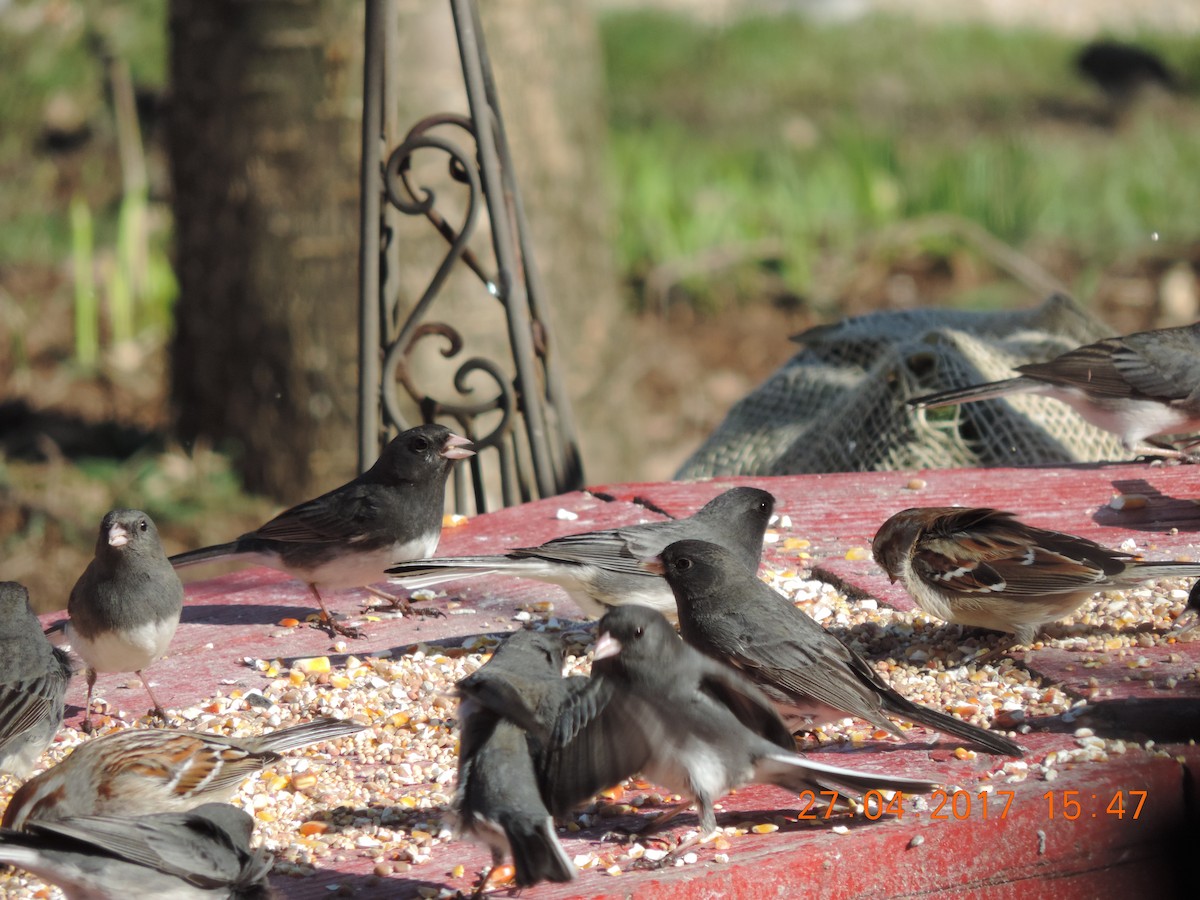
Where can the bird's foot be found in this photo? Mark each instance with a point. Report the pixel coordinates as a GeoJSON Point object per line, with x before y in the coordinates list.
{"type": "Point", "coordinates": [404, 606]}
{"type": "Point", "coordinates": [334, 627]}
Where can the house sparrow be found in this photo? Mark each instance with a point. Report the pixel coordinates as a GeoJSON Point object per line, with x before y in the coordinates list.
{"type": "Point", "coordinates": [982, 567]}
{"type": "Point", "coordinates": [1137, 387]}
{"type": "Point", "coordinates": [600, 569]}
{"type": "Point", "coordinates": [726, 612]}
{"type": "Point", "coordinates": [33, 682]}
{"type": "Point", "coordinates": [655, 704]}
{"type": "Point", "coordinates": [199, 855]}
{"type": "Point", "coordinates": [151, 770]}
{"type": "Point", "coordinates": [347, 538]}
{"type": "Point", "coordinates": [125, 607]}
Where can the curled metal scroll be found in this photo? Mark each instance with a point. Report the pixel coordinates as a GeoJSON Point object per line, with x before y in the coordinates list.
{"type": "Point", "coordinates": [541, 458]}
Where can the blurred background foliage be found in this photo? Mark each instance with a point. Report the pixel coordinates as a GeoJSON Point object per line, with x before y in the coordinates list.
{"type": "Point", "coordinates": [766, 174]}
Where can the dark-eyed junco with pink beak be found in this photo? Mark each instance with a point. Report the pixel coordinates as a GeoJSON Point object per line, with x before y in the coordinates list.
{"type": "Point", "coordinates": [125, 607]}
{"type": "Point", "coordinates": [348, 537]}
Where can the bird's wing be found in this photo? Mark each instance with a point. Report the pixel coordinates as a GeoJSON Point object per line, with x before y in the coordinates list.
{"type": "Point", "coordinates": [603, 735]}
{"type": "Point", "coordinates": [1091, 368]}
{"type": "Point", "coordinates": [751, 707]}
{"type": "Point", "coordinates": [603, 549]}
{"type": "Point", "coordinates": [337, 516]}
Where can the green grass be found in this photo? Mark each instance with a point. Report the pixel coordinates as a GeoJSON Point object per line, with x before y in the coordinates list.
{"type": "Point", "coordinates": [818, 135]}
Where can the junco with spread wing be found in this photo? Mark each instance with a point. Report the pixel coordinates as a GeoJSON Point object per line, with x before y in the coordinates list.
{"type": "Point", "coordinates": [601, 569]}
{"type": "Point", "coordinates": [726, 612]}
{"type": "Point", "coordinates": [508, 707]}
{"type": "Point", "coordinates": [695, 726]}
{"type": "Point", "coordinates": [33, 682]}
{"type": "Point", "coordinates": [199, 855]}
{"type": "Point", "coordinates": [347, 538]}
{"type": "Point", "coordinates": [151, 770]}
{"type": "Point", "coordinates": [982, 567]}
{"type": "Point", "coordinates": [125, 607]}
{"type": "Point", "coordinates": [1137, 387]}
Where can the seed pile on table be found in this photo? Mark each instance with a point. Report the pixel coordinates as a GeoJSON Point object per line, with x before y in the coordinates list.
{"type": "Point", "coordinates": [383, 794]}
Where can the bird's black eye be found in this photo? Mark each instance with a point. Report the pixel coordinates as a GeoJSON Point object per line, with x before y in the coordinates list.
{"type": "Point", "coordinates": [683, 564]}
{"type": "Point", "coordinates": [762, 505]}
{"type": "Point", "coordinates": [637, 632]}
{"type": "Point", "coordinates": [420, 445]}
{"type": "Point", "coordinates": [143, 525]}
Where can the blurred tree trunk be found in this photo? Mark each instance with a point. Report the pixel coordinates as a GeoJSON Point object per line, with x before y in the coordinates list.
{"type": "Point", "coordinates": [263, 139]}
{"type": "Point", "coordinates": [266, 100]}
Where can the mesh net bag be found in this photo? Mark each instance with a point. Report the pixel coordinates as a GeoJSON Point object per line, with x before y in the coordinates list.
{"type": "Point", "coordinates": [839, 404]}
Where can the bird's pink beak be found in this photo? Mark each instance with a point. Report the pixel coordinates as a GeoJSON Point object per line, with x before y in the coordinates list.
{"type": "Point", "coordinates": [653, 565]}
{"type": "Point", "coordinates": [118, 536]}
{"type": "Point", "coordinates": [456, 447]}
{"type": "Point", "coordinates": [606, 646]}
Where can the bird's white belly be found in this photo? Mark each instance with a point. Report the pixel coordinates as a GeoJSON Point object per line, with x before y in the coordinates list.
{"type": "Point", "coordinates": [1133, 420]}
{"type": "Point", "coordinates": [356, 569]}
{"type": "Point", "coordinates": [128, 651]}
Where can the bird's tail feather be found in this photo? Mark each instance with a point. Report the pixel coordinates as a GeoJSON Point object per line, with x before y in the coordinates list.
{"type": "Point", "coordinates": [428, 572]}
{"type": "Point", "coordinates": [797, 773]}
{"type": "Point", "coordinates": [537, 854]}
{"type": "Point", "coordinates": [325, 729]}
{"type": "Point", "coordinates": [940, 721]}
{"type": "Point", "coordinates": [205, 554]}
{"type": "Point", "coordinates": [969, 394]}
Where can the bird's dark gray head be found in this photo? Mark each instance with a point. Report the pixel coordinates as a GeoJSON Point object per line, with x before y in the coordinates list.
{"type": "Point", "coordinates": [417, 453]}
{"type": "Point", "coordinates": [233, 821]}
{"type": "Point", "coordinates": [697, 564]}
{"type": "Point", "coordinates": [633, 635]}
{"type": "Point", "coordinates": [14, 599]}
{"type": "Point", "coordinates": [534, 649]}
{"type": "Point", "coordinates": [125, 530]}
{"type": "Point", "coordinates": [740, 503]}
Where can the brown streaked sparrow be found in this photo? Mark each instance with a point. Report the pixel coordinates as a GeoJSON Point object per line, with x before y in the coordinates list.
{"type": "Point", "coordinates": [199, 855]}
{"type": "Point", "coordinates": [33, 682]}
{"type": "Point", "coordinates": [125, 607]}
{"type": "Point", "coordinates": [1138, 387]}
{"type": "Point", "coordinates": [151, 770]}
{"type": "Point", "coordinates": [982, 567]}
{"type": "Point", "coordinates": [601, 570]}
{"type": "Point", "coordinates": [347, 537]}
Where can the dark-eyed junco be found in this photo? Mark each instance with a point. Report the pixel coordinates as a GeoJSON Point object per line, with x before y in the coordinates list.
{"type": "Point", "coordinates": [508, 707]}
{"type": "Point", "coordinates": [982, 567]}
{"type": "Point", "coordinates": [151, 770]}
{"type": "Point", "coordinates": [600, 569]}
{"type": "Point", "coordinates": [1137, 387]}
{"type": "Point", "coordinates": [125, 607]}
{"type": "Point", "coordinates": [33, 682]}
{"type": "Point", "coordinates": [1189, 619]}
{"type": "Point", "coordinates": [695, 726]}
{"type": "Point", "coordinates": [726, 612]}
{"type": "Point", "coordinates": [203, 855]}
{"type": "Point", "coordinates": [348, 537]}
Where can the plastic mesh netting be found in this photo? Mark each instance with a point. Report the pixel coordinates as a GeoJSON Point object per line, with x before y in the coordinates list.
{"type": "Point", "coordinates": [839, 404]}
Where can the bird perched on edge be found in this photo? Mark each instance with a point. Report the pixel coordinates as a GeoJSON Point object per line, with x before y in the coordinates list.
{"type": "Point", "coordinates": [508, 707]}
{"type": "Point", "coordinates": [726, 612]}
{"type": "Point", "coordinates": [982, 567]}
{"type": "Point", "coordinates": [150, 770]}
{"type": "Point", "coordinates": [655, 704]}
{"type": "Point", "coordinates": [199, 855]}
{"type": "Point", "coordinates": [347, 537]}
{"type": "Point", "coordinates": [125, 607]}
{"type": "Point", "coordinates": [33, 682]}
{"type": "Point", "coordinates": [602, 569]}
{"type": "Point", "coordinates": [1137, 387]}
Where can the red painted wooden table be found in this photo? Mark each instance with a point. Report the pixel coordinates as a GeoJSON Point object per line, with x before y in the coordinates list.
{"type": "Point", "coordinates": [1022, 851]}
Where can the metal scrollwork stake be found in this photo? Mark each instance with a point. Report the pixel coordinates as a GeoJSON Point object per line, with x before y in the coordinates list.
{"type": "Point", "coordinates": [523, 428]}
